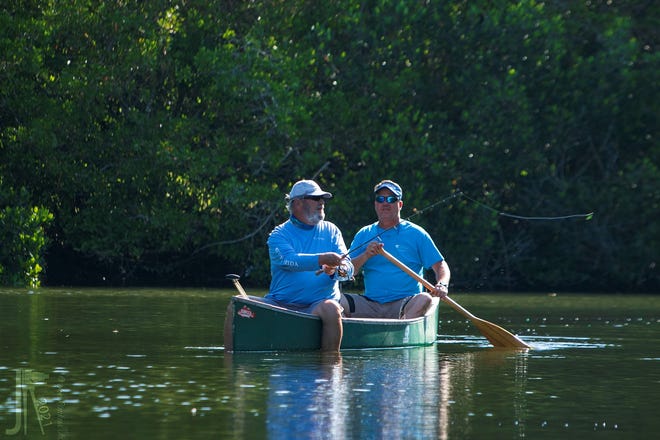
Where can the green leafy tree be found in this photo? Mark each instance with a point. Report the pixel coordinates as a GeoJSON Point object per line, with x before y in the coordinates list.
{"type": "Point", "coordinates": [23, 238]}
{"type": "Point", "coordinates": [162, 136]}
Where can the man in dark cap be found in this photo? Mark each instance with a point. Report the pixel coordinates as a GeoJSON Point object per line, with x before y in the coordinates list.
{"type": "Point", "coordinates": [389, 292]}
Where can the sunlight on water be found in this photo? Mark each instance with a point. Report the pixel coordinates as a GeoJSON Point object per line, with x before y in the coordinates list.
{"type": "Point", "coordinates": [561, 343]}
{"type": "Point", "coordinates": [211, 348]}
{"type": "Point", "coordinates": [536, 342]}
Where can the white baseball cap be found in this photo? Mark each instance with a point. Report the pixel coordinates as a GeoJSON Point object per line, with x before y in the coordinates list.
{"type": "Point", "coordinates": [303, 188]}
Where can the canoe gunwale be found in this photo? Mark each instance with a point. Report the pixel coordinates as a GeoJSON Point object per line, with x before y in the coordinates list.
{"type": "Point", "coordinates": [257, 300]}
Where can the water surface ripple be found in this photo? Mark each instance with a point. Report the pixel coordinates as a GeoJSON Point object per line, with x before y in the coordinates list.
{"type": "Point", "coordinates": [150, 363]}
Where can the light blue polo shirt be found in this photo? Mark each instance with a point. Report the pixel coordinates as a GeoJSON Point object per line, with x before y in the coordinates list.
{"type": "Point", "coordinates": [410, 244]}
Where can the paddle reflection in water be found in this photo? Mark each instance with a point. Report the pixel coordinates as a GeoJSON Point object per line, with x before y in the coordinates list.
{"type": "Point", "coordinates": [469, 379]}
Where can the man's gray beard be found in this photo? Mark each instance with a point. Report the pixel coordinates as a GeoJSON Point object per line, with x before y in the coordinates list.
{"type": "Point", "coordinates": [315, 218]}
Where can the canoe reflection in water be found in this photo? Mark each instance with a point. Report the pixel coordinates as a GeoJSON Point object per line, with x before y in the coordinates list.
{"type": "Point", "coordinates": [308, 399]}
{"type": "Point", "coordinates": [398, 393]}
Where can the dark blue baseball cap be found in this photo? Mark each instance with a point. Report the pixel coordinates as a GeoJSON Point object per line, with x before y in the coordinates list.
{"type": "Point", "coordinates": [392, 186]}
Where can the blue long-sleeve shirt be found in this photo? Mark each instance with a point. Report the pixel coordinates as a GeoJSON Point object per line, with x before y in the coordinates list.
{"type": "Point", "coordinates": [294, 247]}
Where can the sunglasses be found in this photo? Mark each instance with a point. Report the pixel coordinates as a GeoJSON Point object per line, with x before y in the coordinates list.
{"type": "Point", "coordinates": [388, 199]}
{"type": "Point", "coordinates": [315, 198]}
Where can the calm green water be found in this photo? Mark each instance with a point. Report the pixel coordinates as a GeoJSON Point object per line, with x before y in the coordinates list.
{"type": "Point", "coordinates": [86, 363]}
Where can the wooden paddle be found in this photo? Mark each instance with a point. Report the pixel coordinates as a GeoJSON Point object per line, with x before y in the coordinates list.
{"type": "Point", "coordinates": [494, 333]}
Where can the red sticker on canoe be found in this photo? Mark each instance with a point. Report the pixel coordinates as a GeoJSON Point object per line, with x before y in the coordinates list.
{"type": "Point", "coordinates": [245, 312]}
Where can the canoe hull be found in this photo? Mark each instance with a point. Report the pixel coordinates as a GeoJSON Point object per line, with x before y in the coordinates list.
{"type": "Point", "coordinates": [258, 326]}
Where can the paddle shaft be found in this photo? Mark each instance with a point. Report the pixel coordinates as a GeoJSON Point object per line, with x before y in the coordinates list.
{"type": "Point", "coordinates": [494, 333]}
{"type": "Point", "coordinates": [425, 283]}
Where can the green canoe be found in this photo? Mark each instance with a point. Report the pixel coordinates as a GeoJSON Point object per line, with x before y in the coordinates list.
{"type": "Point", "coordinates": [258, 326]}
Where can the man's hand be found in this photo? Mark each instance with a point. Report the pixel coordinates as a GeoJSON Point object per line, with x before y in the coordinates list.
{"type": "Point", "coordinates": [331, 259]}
{"type": "Point", "coordinates": [373, 248]}
{"type": "Point", "coordinates": [328, 270]}
{"type": "Point", "coordinates": [440, 290]}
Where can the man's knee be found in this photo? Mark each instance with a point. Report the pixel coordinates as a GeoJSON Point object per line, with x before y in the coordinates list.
{"type": "Point", "coordinates": [424, 299]}
{"type": "Point", "coordinates": [417, 306]}
{"type": "Point", "coordinates": [328, 309]}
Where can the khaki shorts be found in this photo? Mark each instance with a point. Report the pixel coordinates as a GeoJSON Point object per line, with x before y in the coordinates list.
{"type": "Point", "coordinates": [359, 306]}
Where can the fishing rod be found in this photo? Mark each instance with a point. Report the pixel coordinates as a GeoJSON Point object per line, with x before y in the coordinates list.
{"type": "Point", "coordinates": [587, 216]}
{"type": "Point", "coordinates": [459, 193]}
{"type": "Point", "coordinates": [414, 214]}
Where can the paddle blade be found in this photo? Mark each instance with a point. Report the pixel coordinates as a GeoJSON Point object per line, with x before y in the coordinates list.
{"type": "Point", "coordinates": [494, 333]}
{"type": "Point", "coordinates": [497, 336]}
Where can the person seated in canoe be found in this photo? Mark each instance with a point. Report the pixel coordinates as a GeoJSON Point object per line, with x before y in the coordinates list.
{"type": "Point", "coordinates": [301, 246]}
{"type": "Point", "coordinates": [389, 292]}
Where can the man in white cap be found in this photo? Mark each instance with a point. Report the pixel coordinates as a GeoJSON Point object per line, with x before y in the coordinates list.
{"type": "Point", "coordinates": [388, 291]}
{"type": "Point", "coordinates": [300, 247]}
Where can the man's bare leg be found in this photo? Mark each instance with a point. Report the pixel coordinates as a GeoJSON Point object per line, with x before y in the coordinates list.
{"type": "Point", "coordinates": [332, 331]}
